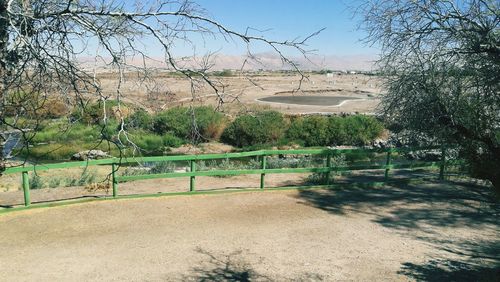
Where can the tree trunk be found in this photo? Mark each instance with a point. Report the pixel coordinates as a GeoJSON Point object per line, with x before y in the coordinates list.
{"type": "Point", "coordinates": [495, 181]}
{"type": "Point", "coordinates": [4, 40]}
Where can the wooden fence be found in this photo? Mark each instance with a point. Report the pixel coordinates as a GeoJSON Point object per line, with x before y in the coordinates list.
{"type": "Point", "coordinates": [327, 153]}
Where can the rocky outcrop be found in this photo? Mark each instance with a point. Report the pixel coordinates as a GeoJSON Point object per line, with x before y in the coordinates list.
{"type": "Point", "coordinates": [90, 155]}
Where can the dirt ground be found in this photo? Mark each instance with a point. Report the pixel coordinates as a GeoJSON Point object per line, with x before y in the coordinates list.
{"type": "Point", "coordinates": [242, 92]}
{"type": "Point", "coordinates": [432, 232]}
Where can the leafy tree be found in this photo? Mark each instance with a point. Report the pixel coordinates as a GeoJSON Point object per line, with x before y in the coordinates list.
{"type": "Point", "coordinates": [441, 62]}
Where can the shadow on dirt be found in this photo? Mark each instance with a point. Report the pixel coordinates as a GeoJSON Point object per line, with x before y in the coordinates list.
{"type": "Point", "coordinates": [224, 268]}
{"type": "Point", "coordinates": [234, 267]}
{"type": "Point", "coordinates": [449, 270]}
{"type": "Point", "coordinates": [431, 213]}
{"type": "Point", "coordinates": [443, 205]}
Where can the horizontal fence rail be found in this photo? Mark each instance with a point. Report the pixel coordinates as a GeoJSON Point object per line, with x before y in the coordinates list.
{"type": "Point", "coordinates": [115, 164]}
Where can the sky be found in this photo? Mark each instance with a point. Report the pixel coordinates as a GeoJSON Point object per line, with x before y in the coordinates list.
{"type": "Point", "coordinates": [338, 45]}
{"type": "Point", "coordinates": [288, 19]}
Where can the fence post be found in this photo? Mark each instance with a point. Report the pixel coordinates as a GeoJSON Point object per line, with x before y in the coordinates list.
{"type": "Point", "coordinates": [443, 163]}
{"type": "Point", "coordinates": [114, 183]}
{"type": "Point", "coordinates": [262, 175]}
{"type": "Point", "coordinates": [192, 178]}
{"type": "Point", "coordinates": [329, 165]}
{"type": "Point", "coordinates": [26, 188]}
{"type": "Point", "coordinates": [388, 163]}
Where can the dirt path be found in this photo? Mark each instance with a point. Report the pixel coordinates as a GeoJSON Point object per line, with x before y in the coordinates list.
{"type": "Point", "coordinates": [431, 231]}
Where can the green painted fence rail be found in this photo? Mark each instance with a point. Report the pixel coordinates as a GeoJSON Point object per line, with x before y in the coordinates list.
{"type": "Point", "coordinates": [115, 163]}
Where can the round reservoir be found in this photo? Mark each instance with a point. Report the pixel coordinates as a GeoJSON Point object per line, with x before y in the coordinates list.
{"type": "Point", "coordinates": [308, 100]}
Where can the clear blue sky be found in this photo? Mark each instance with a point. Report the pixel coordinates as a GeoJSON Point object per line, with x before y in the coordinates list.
{"type": "Point", "coordinates": [285, 19]}
{"type": "Point", "coordinates": [291, 18]}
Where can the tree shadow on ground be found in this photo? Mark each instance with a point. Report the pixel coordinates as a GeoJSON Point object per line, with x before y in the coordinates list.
{"type": "Point", "coordinates": [429, 212]}
{"type": "Point", "coordinates": [394, 206]}
{"type": "Point", "coordinates": [224, 268]}
{"type": "Point", "coordinates": [450, 270]}
{"type": "Point", "coordinates": [234, 267]}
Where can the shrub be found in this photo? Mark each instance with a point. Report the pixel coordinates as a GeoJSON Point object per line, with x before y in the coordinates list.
{"type": "Point", "coordinates": [311, 130]}
{"type": "Point", "coordinates": [321, 131]}
{"type": "Point", "coordinates": [170, 140]}
{"type": "Point", "coordinates": [175, 120]}
{"type": "Point", "coordinates": [54, 182]}
{"type": "Point", "coordinates": [64, 132]}
{"type": "Point", "coordinates": [52, 151]}
{"type": "Point", "coordinates": [294, 162]}
{"type": "Point", "coordinates": [162, 167]}
{"type": "Point", "coordinates": [207, 124]}
{"type": "Point", "coordinates": [210, 123]}
{"type": "Point", "coordinates": [140, 119]}
{"type": "Point", "coordinates": [150, 143]}
{"type": "Point", "coordinates": [361, 129]}
{"type": "Point", "coordinates": [87, 177]}
{"type": "Point", "coordinates": [153, 144]}
{"type": "Point", "coordinates": [261, 128]}
{"type": "Point", "coordinates": [34, 105]}
{"type": "Point", "coordinates": [320, 178]}
{"type": "Point", "coordinates": [36, 182]}
{"type": "Point", "coordinates": [224, 73]}
{"type": "Point", "coordinates": [93, 113]}
{"type": "Point", "coordinates": [337, 132]}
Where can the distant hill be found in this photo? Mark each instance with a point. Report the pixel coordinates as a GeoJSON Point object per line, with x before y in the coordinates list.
{"type": "Point", "coordinates": [265, 61]}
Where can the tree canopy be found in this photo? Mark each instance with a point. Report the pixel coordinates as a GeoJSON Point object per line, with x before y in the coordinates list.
{"type": "Point", "coordinates": [441, 62]}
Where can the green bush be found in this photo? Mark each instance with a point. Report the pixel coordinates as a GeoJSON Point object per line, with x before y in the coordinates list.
{"type": "Point", "coordinates": [322, 131]}
{"type": "Point", "coordinates": [162, 167]}
{"type": "Point", "coordinates": [64, 132]}
{"type": "Point", "coordinates": [224, 73]}
{"type": "Point", "coordinates": [198, 124]}
{"type": "Point", "coordinates": [36, 182]}
{"type": "Point", "coordinates": [93, 113]}
{"type": "Point", "coordinates": [361, 129]}
{"type": "Point", "coordinates": [55, 151]}
{"type": "Point", "coordinates": [54, 182]}
{"type": "Point", "coordinates": [34, 105]}
{"type": "Point", "coordinates": [321, 178]}
{"type": "Point", "coordinates": [336, 130]}
{"type": "Point", "coordinates": [87, 177]}
{"type": "Point", "coordinates": [311, 131]}
{"type": "Point", "coordinates": [262, 128]}
{"type": "Point", "coordinates": [153, 144]}
{"type": "Point", "coordinates": [170, 140]}
{"type": "Point", "coordinates": [140, 119]}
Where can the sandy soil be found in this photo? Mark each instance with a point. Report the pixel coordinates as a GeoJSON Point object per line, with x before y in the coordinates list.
{"type": "Point", "coordinates": [169, 91]}
{"type": "Point", "coordinates": [436, 232]}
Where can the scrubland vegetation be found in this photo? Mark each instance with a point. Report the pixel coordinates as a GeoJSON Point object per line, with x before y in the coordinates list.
{"type": "Point", "coordinates": [63, 134]}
